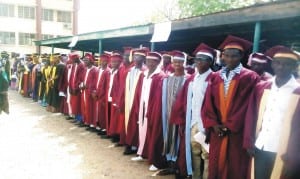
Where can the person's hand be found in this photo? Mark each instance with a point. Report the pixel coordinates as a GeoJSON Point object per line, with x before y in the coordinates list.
{"type": "Point", "coordinates": [251, 152]}
{"type": "Point", "coordinates": [220, 130]}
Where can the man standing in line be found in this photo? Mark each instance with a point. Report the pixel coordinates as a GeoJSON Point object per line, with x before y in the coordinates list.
{"type": "Point", "coordinates": [169, 139]}
{"type": "Point", "coordinates": [139, 56]}
{"type": "Point", "coordinates": [186, 112]}
{"type": "Point", "coordinates": [273, 120]}
{"type": "Point", "coordinates": [223, 112]}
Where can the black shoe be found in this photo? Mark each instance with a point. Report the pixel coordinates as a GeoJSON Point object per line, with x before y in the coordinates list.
{"type": "Point", "coordinates": [105, 137]}
{"type": "Point", "coordinates": [167, 171]}
{"type": "Point", "coordinates": [69, 118]}
{"type": "Point", "coordinates": [115, 139]}
{"type": "Point", "coordinates": [102, 132]}
{"type": "Point", "coordinates": [129, 151]}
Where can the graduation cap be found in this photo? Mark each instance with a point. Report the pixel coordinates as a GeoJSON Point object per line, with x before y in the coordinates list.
{"type": "Point", "coordinates": [89, 57]}
{"type": "Point", "coordinates": [280, 51]}
{"type": "Point", "coordinates": [203, 51]}
{"type": "Point", "coordinates": [178, 55]}
{"type": "Point", "coordinates": [116, 57]}
{"type": "Point", "coordinates": [154, 56]}
{"type": "Point", "coordinates": [104, 58]}
{"type": "Point", "coordinates": [127, 50]}
{"type": "Point", "coordinates": [235, 43]}
{"type": "Point", "coordinates": [259, 58]}
{"type": "Point", "coordinates": [74, 56]}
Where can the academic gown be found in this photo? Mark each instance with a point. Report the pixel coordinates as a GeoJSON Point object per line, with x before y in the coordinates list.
{"type": "Point", "coordinates": [227, 157]}
{"type": "Point", "coordinates": [89, 80]}
{"type": "Point", "coordinates": [101, 101]}
{"type": "Point", "coordinates": [179, 117]}
{"type": "Point", "coordinates": [75, 79]}
{"type": "Point", "coordinates": [154, 137]}
{"type": "Point", "coordinates": [132, 136]}
{"type": "Point", "coordinates": [120, 102]}
{"type": "Point", "coordinates": [291, 157]}
{"type": "Point", "coordinates": [115, 109]}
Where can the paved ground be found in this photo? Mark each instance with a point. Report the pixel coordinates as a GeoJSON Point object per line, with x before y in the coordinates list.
{"type": "Point", "coordinates": [35, 144]}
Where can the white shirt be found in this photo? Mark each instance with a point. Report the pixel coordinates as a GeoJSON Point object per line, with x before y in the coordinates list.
{"type": "Point", "coordinates": [111, 80]}
{"type": "Point", "coordinates": [273, 117]}
{"type": "Point", "coordinates": [199, 86]}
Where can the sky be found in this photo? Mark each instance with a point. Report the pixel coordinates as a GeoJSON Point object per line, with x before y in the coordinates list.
{"type": "Point", "coordinates": [95, 15]}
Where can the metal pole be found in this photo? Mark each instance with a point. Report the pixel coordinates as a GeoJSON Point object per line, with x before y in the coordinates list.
{"type": "Point", "coordinates": [152, 46]}
{"type": "Point", "coordinates": [256, 39]}
{"type": "Point", "coordinates": [100, 47]}
{"type": "Point", "coordinates": [52, 50]}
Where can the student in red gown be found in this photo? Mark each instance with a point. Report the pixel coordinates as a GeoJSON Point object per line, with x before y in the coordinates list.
{"type": "Point", "coordinates": [139, 56]}
{"type": "Point", "coordinates": [260, 63]}
{"type": "Point", "coordinates": [100, 94]}
{"type": "Point", "coordinates": [273, 120]}
{"type": "Point", "coordinates": [77, 70]}
{"type": "Point", "coordinates": [88, 85]}
{"type": "Point", "coordinates": [113, 94]}
{"type": "Point", "coordinates": [193, 156]}
{"type": "Point", "coordinates": [223, 112]}
{"type": "Point", "coordinates": [146, 108]}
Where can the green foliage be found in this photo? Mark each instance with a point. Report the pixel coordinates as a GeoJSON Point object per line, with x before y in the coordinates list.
{"type": "Point", "coordinates": [191, 8]}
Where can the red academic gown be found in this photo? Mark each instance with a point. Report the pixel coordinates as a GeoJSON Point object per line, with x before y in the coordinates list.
{"type": "Point", "coordinates": [178, 117]}
{"type": "Point", "coordinates": [154, 136]}
{"type": "Point", "coordinates": [227, 157]}
{"type": "Point", "coordinates": [120, 101]}
{"type": "Point", "coordinates": [62, 87]}
{"type": "Point", "coordinates": [101, 91]}
{"type": "Point", "coordinates": [115, 110]}
{"type": "Point", "coordinates": [90, 86]}
{"type": "Point", "coordinates": [291, 158]}
{"type": "Point", "coordinates": [75, 79]}
{"type": "Point", "coordinates": [132, 137]}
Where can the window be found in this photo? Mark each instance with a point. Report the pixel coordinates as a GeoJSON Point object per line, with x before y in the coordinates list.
{"type": "Point", "coordinates": [46, 36]}
{"type": "Point", "coordinates": [63, 16]}
{"type": "Point", "coordinates": [47, 15]}
{"type": "Point", "coordinates": [7, 10]}
{"type": "Point", "coordinates": [7, 38]}
{"type": "Point", "coordinates": [26, 12]}
{"type": "Point", "coordinates": [26, 38]}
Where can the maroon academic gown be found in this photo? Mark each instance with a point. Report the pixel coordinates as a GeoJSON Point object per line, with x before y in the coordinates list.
{"type": "Point", "coordinates": [100, 112]}
{"type": "Point", "coordinates": [90, 86]}
{"type": "Point", "coordinates": [115, 110]}
{"type": "Point", "coordinates": [235, 156]}
{"type": "Point", "coordinates": [154, 136]}
{"type": "Point", "coordinates": [178, 117]}
{"type": "Point", "coordinates": [132, 137]}
{"type": "Point", "coordinates": [75, 79]}
{"type": "Point", "coordinates": [62, 87]}
{"type": "Point", "coordinates": [291, 158]}
{"type": "Point", "coordinates": [120, 101]}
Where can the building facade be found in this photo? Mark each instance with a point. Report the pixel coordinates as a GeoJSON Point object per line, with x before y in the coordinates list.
{"type": "Point", "coordinates": [24, 21]}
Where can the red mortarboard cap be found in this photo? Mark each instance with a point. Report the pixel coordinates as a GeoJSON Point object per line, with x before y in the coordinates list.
{"type": "Point", "coordinates": [90, 57]}
{"type": "Point", "coordinates": [154, 56]}
{"type": "Point", "coordinates": [280, 51]}
{"type": "Point", "coordinates": [259, 58]}
{"type": "Point", "coordinates": [116, 57]}
{"type": "Point", "coordinates": [142, 52]}
{"type": "Point", "coordinates": [235, 42]}
{"type": "Point", "coordinates": [127, 50]}
{"type": "Point", "coordinates": [206, 50]}
{"type": "Point", "coordinates": [178, 55]}
{"type": "Point", "coordinates": [104, 57]}
{"type": "Point", "coordinates": [74, 56]}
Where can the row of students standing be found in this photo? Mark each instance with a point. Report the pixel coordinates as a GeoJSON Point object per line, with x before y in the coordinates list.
{"type": "Point", "coordinates": [199, 125]}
